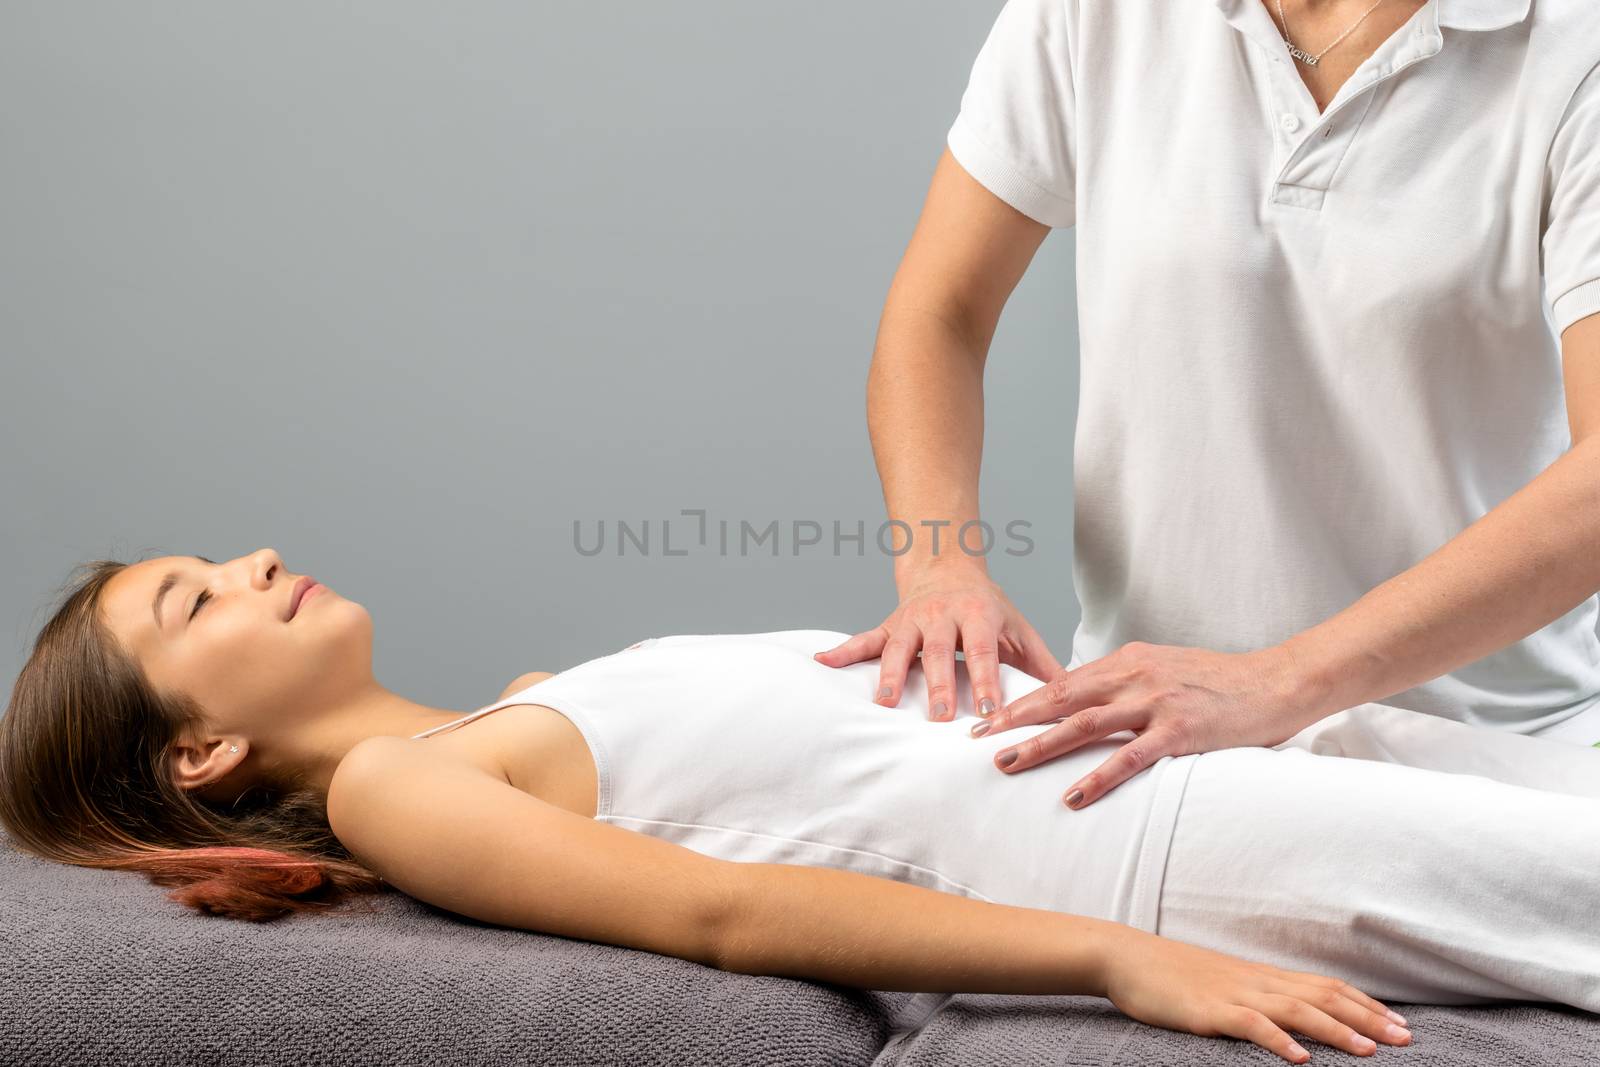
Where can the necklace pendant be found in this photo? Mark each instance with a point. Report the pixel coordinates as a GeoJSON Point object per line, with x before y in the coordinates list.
{"type": "Point", "coordinates": [1303, 56]}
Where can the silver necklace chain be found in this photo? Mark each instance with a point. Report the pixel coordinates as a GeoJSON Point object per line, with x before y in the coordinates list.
{"type": "Point", "coordinates": [1306, 57]}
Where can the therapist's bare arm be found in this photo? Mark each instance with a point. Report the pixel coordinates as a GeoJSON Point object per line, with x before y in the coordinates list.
{"type": "Point", "coordinates": [925, 416]}
{"type": "Point", "coordinates": [447, 832]}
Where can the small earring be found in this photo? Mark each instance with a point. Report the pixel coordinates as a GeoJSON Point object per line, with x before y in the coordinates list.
{"type": "Point", "coordinates": [233, 748]}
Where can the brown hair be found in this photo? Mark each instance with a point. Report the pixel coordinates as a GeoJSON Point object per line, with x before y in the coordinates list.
{"type": "Point", "coordinates": [85, 779]}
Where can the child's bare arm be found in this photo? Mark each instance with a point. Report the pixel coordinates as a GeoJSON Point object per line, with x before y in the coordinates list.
{"type": "Point", "coordinates": [447, 832]}
{"type": "Point", "coordinates": [874, 933]}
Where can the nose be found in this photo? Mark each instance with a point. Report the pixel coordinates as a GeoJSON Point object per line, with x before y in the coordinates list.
{"type": "Point", "coordinates": [265, 566]}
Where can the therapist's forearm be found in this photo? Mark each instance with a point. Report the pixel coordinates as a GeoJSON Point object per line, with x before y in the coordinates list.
{"type": "Point", "coordinates": [925, 417]}
{"type": "Point", "coordinates": [1524, 563]}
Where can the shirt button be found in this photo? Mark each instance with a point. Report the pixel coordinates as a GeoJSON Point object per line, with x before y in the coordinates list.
{"type": "Point", "coordinates": [1290, 123]}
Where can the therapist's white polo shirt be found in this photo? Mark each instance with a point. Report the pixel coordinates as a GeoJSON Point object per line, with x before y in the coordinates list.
{"type": "Point", "coordinates": [1314, 346]}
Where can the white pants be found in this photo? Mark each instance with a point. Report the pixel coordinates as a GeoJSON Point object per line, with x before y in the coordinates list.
{"type": "Point", "coordinates": [1435, 863]}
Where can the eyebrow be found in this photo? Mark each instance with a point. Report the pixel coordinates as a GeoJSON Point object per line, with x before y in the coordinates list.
{"type": "Point", "coordinates": [166, 587]}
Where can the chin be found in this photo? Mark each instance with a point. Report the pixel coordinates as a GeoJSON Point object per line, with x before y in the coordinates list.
{"type": "Point", "coordinates": [330, 610]}
{"type": "Point", "coordinates": [343, 638]}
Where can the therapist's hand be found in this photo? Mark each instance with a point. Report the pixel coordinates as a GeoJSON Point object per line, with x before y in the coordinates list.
{"type": "Point", "coordinates": [943, 608]}
{"type": "Point", "coordinates": [1177, 700]}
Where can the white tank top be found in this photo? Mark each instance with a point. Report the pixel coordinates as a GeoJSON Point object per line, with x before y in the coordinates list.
{"type": "Point", "coordinates": [743, 747]}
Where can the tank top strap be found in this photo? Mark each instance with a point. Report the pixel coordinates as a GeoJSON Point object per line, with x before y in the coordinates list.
{"type": "Point", "coordinates": [519, 697]}
{"type": "Point", "coordinates": [515, 698]}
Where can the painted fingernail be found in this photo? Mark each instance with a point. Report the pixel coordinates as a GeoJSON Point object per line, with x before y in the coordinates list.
{"type": "Point", "coordinates": [1396, 1016]}
{"type": "Point", "coordinates": [941, 710]}
{"type": "Point", "coordinates": [981, 729]}
{"type": "Point", "coordinates": [1296, 1050]}
{"type": "Point", "coordinates": [883, 694]}
{"type": "Point", "coordinates": [1008, 758]}
{"type": "Point", "coordinates": [1074, 798]}
{"type": "Point", "coordinates": [986, 707]}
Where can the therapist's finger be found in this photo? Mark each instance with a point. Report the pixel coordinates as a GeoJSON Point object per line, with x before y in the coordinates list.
{"type": "Point", "coordinates": [980, 644]}
{"type": "Point", "coordinates": [895, 662]}
{"type": "Point", "coordinates": [1071, 733]}
{"type": "Point", "coordinates": [939, 668]}
{"type": "Point", "coordinates": [1068, 693]}
{"type": "Point", "coordinates": [1135, 756]}
{"type": "Point", "coordinates": [863, 646]}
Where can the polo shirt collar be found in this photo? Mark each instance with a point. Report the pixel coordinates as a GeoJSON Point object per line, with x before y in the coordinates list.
{"type": "Point", "coordinates": [1482, 14]}
{"type": "Point", "coordinates": [1454, 14]}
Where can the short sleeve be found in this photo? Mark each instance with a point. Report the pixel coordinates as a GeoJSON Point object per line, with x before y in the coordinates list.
{"type": "Point", "coordinates": [1014, 132]}
{"type": "Point", "coordinates": [1572, 227]}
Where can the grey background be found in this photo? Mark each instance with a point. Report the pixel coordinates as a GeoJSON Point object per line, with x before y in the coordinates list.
{"type": "Point", "coordinates": [403, 290]}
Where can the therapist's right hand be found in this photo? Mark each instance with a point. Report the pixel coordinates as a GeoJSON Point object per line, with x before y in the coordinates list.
{"type": "Point", "coordinates": [945, 607]}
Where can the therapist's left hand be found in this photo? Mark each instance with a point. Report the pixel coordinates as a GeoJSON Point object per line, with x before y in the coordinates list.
{"type": "Point", "coordinates": [1177, 700]}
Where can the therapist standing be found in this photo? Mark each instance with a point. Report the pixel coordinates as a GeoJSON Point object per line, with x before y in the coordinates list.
{"type": "Point", "coordinates": [1338, 438]}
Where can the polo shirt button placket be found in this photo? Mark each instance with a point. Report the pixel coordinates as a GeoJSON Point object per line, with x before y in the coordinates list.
{"type": "Point", "coordinates": [1290, 122]}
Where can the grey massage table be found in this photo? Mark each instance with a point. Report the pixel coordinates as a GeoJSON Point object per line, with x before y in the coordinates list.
{"type": "Point", "coordinates": [98, 967]}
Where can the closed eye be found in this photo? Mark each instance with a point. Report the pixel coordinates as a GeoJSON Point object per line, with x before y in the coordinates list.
{"type": "Point", "coordinates": [204, 596]}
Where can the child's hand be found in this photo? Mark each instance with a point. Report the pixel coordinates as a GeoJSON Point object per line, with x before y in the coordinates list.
{"type": "Point", "coordinates": [1180, 986]}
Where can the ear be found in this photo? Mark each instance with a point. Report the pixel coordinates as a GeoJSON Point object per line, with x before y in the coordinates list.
{"type": "Point", "coordinates": [198, 763]}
